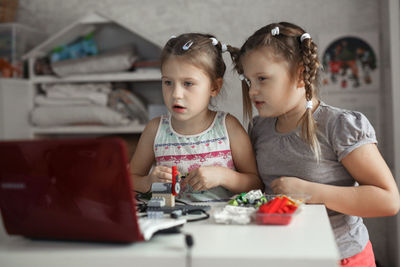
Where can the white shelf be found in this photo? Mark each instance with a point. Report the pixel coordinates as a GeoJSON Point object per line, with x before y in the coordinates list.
{"type": "Point", "coordinates": [111, 35]}
{"type": "Point", "coordinates": [150, 74]}
{"type": "Point", "coordinates": [89, 129]}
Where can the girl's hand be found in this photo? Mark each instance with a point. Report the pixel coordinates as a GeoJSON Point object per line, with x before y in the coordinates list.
{"type": "Point", "coordinates": [289, 185]}
{"type": "Point", "coordinates": [161, 174]}
{"type": "Point", "coordinates": [202, 178]}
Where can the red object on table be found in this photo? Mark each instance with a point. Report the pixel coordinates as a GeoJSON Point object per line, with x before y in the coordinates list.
{"type": "Point", "coordinates": [174, 178]}
{"type": "Point", "coordinates": [277, 211]}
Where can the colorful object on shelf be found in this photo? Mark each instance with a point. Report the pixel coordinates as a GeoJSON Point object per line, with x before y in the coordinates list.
{"type": "Point", "coordinates": [279, 210]}
{"type": "Point", "coordinates": [82, 47]}
{"type": "Point", "coordinates": [7, 70]}
{"type": "Point", "coordinates": [254, 198]}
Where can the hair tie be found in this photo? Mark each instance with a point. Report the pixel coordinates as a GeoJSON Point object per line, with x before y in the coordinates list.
{"type": "Point", "coordinates": [214, 41]}
{"type": "Point", "coordinates": [241, 77]}
{"type": "Point", "coordinates": [187, 45]}
{"type": "Point", "coordinates": [309, 104]}
{"type": "Point", "coordinates": [275, 31]}
{"type": "Point", "coordinates": [305, 36]}
{"type": "Point", "coordinates": [224, 48]}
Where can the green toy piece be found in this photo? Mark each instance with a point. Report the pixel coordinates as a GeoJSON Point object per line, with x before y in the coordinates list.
{"type": "Point", "coordinates": [254, 198]}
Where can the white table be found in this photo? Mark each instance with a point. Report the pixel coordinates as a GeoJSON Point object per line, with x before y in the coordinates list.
{"type": "Point", "coordinates": [307, 241]}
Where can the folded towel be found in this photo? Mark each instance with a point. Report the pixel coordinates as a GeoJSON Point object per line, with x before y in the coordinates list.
{"type": "Point", "coordinates": [93, 97]}
{"type": "Point", "coordinates": [42, 100]}
{"type": "Point", "coordinates": [117, 60]}
{"type": "Point", "coordinates": [70, 115]}
{"type": "Point", "coordinates": [96, 93]}
{"type": "Point", "coordinates": [78, 87]}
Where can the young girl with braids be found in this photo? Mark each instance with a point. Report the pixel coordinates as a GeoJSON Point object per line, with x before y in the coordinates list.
{"type": "Point", "coordinates": [211, 147]}
{"type": "Point", "coordinates": [305, 146]}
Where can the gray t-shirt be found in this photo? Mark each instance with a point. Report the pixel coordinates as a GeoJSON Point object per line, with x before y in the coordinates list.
{"type": "Point", "coordinates": [286, 154]}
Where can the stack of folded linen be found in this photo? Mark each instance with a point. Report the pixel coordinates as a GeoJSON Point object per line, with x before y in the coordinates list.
{"type": "Point", "coordinates": [75, 104]}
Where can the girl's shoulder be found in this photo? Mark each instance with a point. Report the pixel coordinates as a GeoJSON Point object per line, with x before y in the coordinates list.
{"type": "Point", "coordinates": [345, 129]}
{"type": "Point", "coordinates": [257, 121]}
{"type": "Point", "coordinates": [152, 127]}
{"type": "Point", "coordinates": [230, 120]}
{"type": "Point", "coordinates": [343, 119]}
{"type": "Point", "coordinates": [260, 124]}
{"type": "Point", "coordinates": [153, 123]}
{"type": "Point", "coordinates": [232, 123]}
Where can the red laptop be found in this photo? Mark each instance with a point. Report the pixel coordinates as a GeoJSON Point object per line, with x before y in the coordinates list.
{"type": "Point", "coordinates": [77, 189]}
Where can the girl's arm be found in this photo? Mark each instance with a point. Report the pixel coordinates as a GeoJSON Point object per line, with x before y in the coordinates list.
{"type": "Point", "coordinates": [143, 159]}
{"type": "Point", "coordinates": [376, 196]}
{"type": "Point", "coordinates": [244, 179]}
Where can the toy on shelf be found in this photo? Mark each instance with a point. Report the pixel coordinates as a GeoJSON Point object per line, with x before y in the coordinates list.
{"type": "Point", "coordinates": [82, 47]}
{"type": "Point", "coordinates": [163, 194]}
{"type": "Point", "coordinates": [7, 70]}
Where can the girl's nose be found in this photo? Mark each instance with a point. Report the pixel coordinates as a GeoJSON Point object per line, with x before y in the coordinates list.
{"type": "Point", "coordinates": [177, 92]}
{"type": "Point", "coordinates": [252, 90]}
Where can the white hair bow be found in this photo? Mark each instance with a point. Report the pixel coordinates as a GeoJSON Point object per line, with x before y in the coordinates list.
{"type": "Point", "coordinates": [305, 36]}
{"type": "Point", "coordinates": [275, 31]}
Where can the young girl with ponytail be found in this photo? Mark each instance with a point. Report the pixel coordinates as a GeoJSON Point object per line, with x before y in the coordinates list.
{"type": "Point", "coordinates": [305, 146]}
{"type": "Point", "coordinates": [210, 147]}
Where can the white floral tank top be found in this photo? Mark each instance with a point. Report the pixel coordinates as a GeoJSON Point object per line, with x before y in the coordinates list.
{"type": "Point", "coordinates": [188, 152]}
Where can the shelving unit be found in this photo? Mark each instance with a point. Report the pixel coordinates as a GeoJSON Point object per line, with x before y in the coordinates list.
{"type": "Point", "coordinates": [133, 128]}
{"type": "Point", "coordinates": [109, 35]}
{"type": "Point", "coordinates": [141, 75]}
{"type": "Point", "coordinates": [15, 103]}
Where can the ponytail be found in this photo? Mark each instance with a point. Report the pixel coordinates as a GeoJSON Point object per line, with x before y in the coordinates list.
{"type": "Point", "coordinates": [307, 122]}
{"type": "Point", "coordinates": [247, 106]}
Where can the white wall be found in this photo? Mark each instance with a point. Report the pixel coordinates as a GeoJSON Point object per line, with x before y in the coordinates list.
{"type": "Point", "coordinates": [232, 21]}
{"type": "Point", "coordinates": [394, 27]}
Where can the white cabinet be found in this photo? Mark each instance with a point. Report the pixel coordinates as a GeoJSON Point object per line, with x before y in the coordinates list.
{"type": "Point", "coordinates": [15, 104]}
{"type": "Point", "coordinates": [141, 77]}
{"type": "Point", "coordinates": [144, 82]}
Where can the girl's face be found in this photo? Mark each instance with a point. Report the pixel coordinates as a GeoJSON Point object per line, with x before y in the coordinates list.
{"type": "Point", "coordinates": [186, 89]}
{"type": "Point", "coordinates": [272, 90]}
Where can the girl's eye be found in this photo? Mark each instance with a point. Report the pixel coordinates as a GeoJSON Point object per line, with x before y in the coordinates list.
{"type": "Point", "coordinates": [261, 78]}
{"type": "Point", "coordinates": [187, 84]}
{"type": "Point", "coordinates": [168, 83]}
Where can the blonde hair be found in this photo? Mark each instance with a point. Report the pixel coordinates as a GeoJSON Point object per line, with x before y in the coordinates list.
{"type": "Point", "coordinates": [299, 54]}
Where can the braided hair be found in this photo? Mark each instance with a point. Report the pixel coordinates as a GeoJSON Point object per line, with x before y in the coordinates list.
{"type": "Point", "coordinates": [285, 41]}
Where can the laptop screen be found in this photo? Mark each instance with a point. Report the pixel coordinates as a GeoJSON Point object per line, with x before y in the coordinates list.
{"type": "Point", "coordinates": [76, 189]}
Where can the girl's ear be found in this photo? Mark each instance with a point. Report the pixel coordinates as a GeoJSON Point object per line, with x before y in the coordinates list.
{"type": "Point", "coordinates": [300, 77]}
{"type": "Point", "coordinates": [216, 87]}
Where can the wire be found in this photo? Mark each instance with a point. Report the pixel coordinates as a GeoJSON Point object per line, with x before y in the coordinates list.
{"type": "Point", "coordinates": [141, 206]}
{"type": "Point", "coordinates": [189, 241]}
{"type": "Point", "coordinates": [198, 219]}
{"type": "Point", "coordinates": [181, 202]}
{"type": "Point", "coordinates": [189, 244]}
